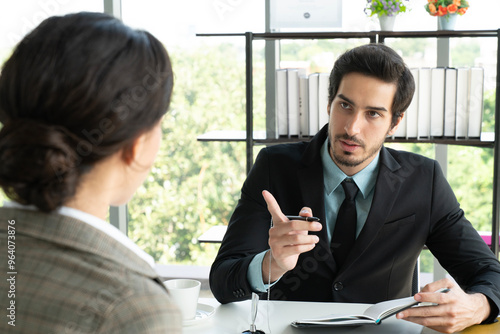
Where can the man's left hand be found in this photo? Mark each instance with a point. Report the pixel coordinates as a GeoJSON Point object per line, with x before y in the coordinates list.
{"type": "Point", "coordinates": [456, 310]}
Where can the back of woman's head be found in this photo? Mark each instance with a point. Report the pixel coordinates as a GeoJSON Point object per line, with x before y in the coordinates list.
{"type": "Point", "coordinates": [76, 90]}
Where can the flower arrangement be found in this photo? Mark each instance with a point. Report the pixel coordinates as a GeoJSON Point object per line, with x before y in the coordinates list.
{"type": "Point", "coordinates": [446, 7]}
{"type": "Point", "coordinates": [385, 7]}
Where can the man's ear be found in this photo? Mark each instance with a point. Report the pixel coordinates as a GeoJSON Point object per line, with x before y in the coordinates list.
{"type": "Point", "coordinates": [395, 127]}
{"type": "Point", "coordinates": [133, 149]}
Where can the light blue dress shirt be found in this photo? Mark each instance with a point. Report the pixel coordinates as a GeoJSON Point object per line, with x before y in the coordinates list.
{"type": "Point", "coordinates": [334, 193]}
{"type": "Point", "coordinates": [334, 196]}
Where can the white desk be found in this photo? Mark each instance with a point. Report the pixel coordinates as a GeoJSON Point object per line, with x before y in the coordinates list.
{"type": "Point", "coordinates": [213, 235]}
{"type": "Point", "coordinates": [234, 318]}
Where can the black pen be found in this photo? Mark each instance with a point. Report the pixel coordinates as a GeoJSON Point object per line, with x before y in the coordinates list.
{"type": "Point", "coordinates": [307, 219]}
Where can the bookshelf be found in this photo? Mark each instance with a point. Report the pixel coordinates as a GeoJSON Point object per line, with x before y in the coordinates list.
{"type": "Point", "coordinates": [251, 137]}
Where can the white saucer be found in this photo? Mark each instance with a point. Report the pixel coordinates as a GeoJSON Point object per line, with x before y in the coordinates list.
{"type": "Point", "coordinates": [203, 312]}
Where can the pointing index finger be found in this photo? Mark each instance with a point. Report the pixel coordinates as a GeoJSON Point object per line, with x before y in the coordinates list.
{"type": "Point", "coordinates": [273, 206]}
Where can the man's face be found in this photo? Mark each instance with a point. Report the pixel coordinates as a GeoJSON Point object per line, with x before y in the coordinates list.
{"type": "Point", "coordinates": [360, 119]}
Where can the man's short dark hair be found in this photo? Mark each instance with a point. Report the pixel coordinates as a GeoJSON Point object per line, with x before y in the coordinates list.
{"type": "Point", "coordinates": [381, 62]}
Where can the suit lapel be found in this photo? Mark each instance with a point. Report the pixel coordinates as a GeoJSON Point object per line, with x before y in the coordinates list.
{"type": "Point", "coordinates": [310, 178]}
{"type": "Point", "coordinates": [312, 190]}
{"type": "Point", "coordinates": [386, 192]}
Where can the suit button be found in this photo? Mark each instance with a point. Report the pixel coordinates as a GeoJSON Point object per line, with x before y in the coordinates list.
{"type": "Point", "coordinates": [239, 293]}
{"type": "Point", "coordinates": [338, 286]}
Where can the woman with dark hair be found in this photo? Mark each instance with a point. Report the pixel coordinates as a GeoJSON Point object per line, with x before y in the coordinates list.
{"type": "Point", "coordinates": [81, 102]}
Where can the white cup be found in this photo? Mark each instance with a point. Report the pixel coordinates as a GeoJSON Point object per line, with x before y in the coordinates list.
{"type": "Point", "coordinates": [184, 293]}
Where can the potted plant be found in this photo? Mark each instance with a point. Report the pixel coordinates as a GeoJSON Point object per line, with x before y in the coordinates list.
{"type": "Point", "coordinates": [386, 10]}
{"type": "Point", "coordinates": [446, 11]}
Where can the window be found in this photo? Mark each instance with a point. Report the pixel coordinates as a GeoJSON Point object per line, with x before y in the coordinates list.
{"type": "Point", "coordinates": [194, 185]}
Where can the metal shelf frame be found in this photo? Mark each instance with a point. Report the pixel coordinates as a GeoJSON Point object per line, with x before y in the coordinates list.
{"type": "Point", "coordinates": [378, 37]}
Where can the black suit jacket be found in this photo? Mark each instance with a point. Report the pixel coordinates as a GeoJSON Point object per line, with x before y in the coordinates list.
{"type": "Point", "coordinates": [413, 206]}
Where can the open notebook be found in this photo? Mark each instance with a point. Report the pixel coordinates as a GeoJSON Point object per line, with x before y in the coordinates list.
{"type": "Point", "coordinates": [372, 315]}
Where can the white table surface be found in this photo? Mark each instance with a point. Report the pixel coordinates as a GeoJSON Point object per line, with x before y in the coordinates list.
{"type": "Point", "coordinates": [214, 234]}
{"type": "Point", "coordinates": [234, 318]}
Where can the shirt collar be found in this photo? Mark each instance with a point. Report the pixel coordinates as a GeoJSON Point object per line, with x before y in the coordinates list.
{"type": "Point", "coordinates": [333, 175]}
{"type": "Point", "coordinates": [97, 223]}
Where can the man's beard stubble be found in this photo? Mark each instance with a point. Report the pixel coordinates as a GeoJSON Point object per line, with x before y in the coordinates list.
{"type": "Point", "coordinates": [343, 158]}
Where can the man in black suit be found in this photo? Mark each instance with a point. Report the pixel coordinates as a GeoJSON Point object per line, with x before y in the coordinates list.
{"type": "Point", "coordinates": [402, 203]}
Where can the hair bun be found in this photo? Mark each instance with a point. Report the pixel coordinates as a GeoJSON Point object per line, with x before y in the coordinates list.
{"type": "Point", "coordinates": [39, 165]}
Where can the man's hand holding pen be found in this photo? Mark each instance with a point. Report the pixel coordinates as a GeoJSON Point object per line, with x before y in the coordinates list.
{"type": "Point", "coordinates": [287, 239]}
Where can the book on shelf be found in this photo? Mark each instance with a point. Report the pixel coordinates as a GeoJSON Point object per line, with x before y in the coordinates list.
{"type": "Point", "coordinates": [450, 101]}
{"type": "Point", "coordinates": [324, 81]}
{"type": "Point", "coordinates": [304, 106]}
{"type": "Point", "coordinates": [412, 111]}
{"type": "Point", "coordinates": [305, 96]}
{"type": "Point", "coordinates": [281, 102]}
{"type": "Point", "coordinates": [292, 77]}
{"type": "Point", "coordinates": [476, 93]}
{"type": "Point", "coordinates": [313, 104]}
{"type": "Point", "coordinates": [462, 102]}
{"type": "Point", "coordinates": [424, 103]}
{"type": "Point", "coordinates": [437, 101]}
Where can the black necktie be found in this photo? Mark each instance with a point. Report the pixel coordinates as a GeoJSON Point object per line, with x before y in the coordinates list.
{"type": "Point", "coordinates": [344, 234]}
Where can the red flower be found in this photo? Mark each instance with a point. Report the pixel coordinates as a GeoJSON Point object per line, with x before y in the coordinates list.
{"type": "Point", "coordinates": [442, 11]}
{"type": "Point", "coordinates": [452, 9]}
{"type": "Point", "coordinates": [462, 11]}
